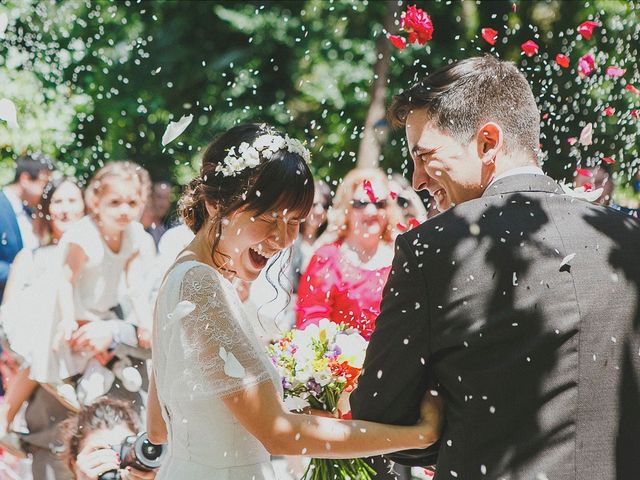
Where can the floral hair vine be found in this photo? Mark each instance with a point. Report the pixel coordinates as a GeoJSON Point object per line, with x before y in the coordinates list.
{"type": "Point", "coordinates": [248, 155]}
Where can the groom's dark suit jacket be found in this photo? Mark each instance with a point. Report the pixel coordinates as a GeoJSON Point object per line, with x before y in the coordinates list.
{"type": "Point", "coordinates": [538, 360]}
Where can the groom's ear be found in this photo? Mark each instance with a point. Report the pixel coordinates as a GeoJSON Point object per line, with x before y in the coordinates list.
{"type": "Point", "coordinates": [490, 139]}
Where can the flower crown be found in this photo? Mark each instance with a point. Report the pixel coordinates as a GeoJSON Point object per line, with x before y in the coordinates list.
{"type": "Point", "coordinates": [248, 155]}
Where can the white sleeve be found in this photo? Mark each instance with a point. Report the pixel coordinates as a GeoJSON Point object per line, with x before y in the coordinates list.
{"type": "Point", "coordinates": [221, 359]}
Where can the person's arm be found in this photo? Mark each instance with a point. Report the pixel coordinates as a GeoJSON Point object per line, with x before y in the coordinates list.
{"type": "Point", "coordinates": [395, 375]}
{"type": "Point", "coordinates": [156, 428]}
{"type": "Point", "coordinates": [315, 290]}
{"type": "Point", "coordinates": [138, 294]}
{"type": "Point", "coordinates": [260, 411]}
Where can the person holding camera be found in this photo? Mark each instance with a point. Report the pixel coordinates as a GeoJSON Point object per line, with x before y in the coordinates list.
{"type": "Point", "coordinates": [100, 443]}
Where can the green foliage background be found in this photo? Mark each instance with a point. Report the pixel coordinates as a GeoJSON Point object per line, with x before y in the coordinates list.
{"type": "Point", "coordinates": [98, 80]}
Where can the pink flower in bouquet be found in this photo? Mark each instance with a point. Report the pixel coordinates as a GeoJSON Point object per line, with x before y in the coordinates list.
{"type": "Point", "coordinates": [586, 29]}
{"type": "Point", "coordinates": [417, 23]}
{"type": "Point", "coordinates": [586, 65]}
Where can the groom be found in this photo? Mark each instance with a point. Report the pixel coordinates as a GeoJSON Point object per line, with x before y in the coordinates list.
{"type": "Point", "coordinates": [518, 302]}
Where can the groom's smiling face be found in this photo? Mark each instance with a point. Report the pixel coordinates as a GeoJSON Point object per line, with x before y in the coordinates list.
{"type": "Point", "coordinates": [451, 171]}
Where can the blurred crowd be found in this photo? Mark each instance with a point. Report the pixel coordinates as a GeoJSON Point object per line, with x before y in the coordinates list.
{"type": "Point", "coordinates": [79, 271]}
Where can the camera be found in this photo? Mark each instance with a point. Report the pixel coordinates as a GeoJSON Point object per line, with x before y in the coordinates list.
{"type": "Point", "coordinates": [136, 451]}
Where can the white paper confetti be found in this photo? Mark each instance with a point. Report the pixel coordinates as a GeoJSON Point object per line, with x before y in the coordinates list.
{"type": "Point", "coordinates": [175, 129]}
{"type": "Point", "coordinates": [232, 366]}
{"type": "Point", "coordinates": [4, 22]}
{"type": "Point", "coordinates": [8, 112]}
{"type": "Point", "coordinates": [182, 309]}
{"type": "Point", "coordinates": [567, 259]}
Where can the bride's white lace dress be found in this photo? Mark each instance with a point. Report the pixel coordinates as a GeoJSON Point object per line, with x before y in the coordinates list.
{"type": "Point", "coordinates": [204, 348]}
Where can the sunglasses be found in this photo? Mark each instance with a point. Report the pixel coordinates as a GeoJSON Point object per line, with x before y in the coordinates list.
{"type": "Point", "coordinates": [360, 205]}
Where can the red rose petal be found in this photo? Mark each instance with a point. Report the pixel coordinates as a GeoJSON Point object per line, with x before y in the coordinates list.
{"type": "Point", "coordinates": [562, 60]}
{"type": "Point", "coordinates": [397, 41]}
{"type": "Point", "coordinates": [490, 35]}
{"type": "Point", "coordinates": [393, 195]}
{"type": "Point", "coordinates": [586, 28]}
{"type": "Point", "coordinates": [632, 89]}
{"type": "Point", "coordinates": [587, 186]}
{"type": "Point", "coordinates": [413, 223]}
{"type": "Point", "coordinates": [401, 226]}
{"type": "Point", "coordinates": [366, 184]}
{"type": "Point", "coordinates": [608, 160]}
{"type": "Point", "coordinates": [635, 114]}
{"type": "Point", "coordinates": [530, 48]}
{"type": "Point", "coordinates": [584, 172]}
{"type": "Point", "coordinates": [615, 71]}
{"type": "Point", "coordinates": [608, 111]}
{"type": "Point", "coordinates": [513, 7]}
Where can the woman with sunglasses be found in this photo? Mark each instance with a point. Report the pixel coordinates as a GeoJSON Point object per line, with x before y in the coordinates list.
{"type": "Point", "coordinates": [345, 277]}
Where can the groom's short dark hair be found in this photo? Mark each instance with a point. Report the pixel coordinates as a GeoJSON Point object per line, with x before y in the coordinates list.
{"type": "Point", "coordinates": [463, 95]}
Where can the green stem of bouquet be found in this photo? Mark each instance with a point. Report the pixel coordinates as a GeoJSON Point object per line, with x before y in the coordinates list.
{"type": "Point", "coordinates": [325, 469]}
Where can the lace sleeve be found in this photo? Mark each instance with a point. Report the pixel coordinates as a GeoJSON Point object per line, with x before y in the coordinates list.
{"type": "Point", "coordinates": [221, 358]}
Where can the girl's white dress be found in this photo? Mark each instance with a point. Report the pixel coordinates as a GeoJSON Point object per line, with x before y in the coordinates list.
{"type": "Point", "coordinates": [204, 348]}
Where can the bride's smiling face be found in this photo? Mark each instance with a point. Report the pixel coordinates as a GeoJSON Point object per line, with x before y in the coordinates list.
{"type": "Point", "coordinates": [248, 240]}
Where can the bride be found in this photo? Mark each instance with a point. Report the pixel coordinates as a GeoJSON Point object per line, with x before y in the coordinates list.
{"type": "Point", "coordinates": [215, 398]}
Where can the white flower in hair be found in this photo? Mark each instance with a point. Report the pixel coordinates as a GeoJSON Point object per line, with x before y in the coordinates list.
{"type": "Point", "coordinates": [248, 155]}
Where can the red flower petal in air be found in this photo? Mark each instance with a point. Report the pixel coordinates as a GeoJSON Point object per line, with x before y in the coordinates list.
{"type": "Point", "coordinates": [608, 160]}
{"type": "Point", "coordinates": [401, 226]}
{"type": "Point", "coordinates": [587, 186]}
{"type": "Point", "coordinates": [635, 114]}
{"type": "Point", "coordinates": [615, 71]}
{"type": "Point", "coordinates": [530, 48]}
{"type": "Point", "coordinates": [514, 7]}
{"type": "Point", "coordinates": [490, 35]}
{"type": "Point", "coordinates": [413, 223]}
{"type": "Point", "coordinates": [586, 65]}
{"type": "Point", "coordinates": [562, 60]}
{"type": "Point", "coordinates": [393, 195]}
{"type": "Point", "coordinates": [398, 41]}
{"type": "Point", "coordinates": [366, 184]}
{"type": "Point", "coordinates": [572, 140]}
{"type": "Point", "coordinates": [632, 89]}
{"type": "Point", "coordinates": [584, 172]}
{"type": "Point", "coordinates": [608, 111]}
{"type": "Point", "coordinates": [417, 23]}
{"type": "Point", "coordinates": [586, 28]}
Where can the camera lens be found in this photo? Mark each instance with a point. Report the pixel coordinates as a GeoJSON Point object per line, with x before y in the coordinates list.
{"type": "Point", "coordinates": [151, 451]}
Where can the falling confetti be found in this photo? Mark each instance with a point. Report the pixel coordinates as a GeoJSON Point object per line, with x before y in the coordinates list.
{"type": "Point", "coordinates": [562, 60]}
{"type": "Point", "coordinates": [8, 112]}
{"type": "Point", "coordinates": [586, 135]}
{"type": "Point", "coordinates": [614, 71]}
{"type": "Point", "coordinates": [586, 29]}
{"type": "Point", "coordinates": [586, 65]}
{"type": "Point", "coordinates": [4, 22]}
{"type": "Point", "coordinates": [530, 48]}
{"type": "Point", "coordinates": [397, 41]}
{"type": "Point", "coordinates": [175, 129]}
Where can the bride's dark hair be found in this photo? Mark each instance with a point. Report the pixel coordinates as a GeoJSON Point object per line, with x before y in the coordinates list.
{"type": "Point", "coordinates": [281, 182]}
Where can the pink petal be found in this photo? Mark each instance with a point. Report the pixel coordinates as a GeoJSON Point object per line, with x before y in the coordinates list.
{"type": "Point", "coordinates": [366, 184]}
{"type": "Point", "coordinates": [615, 71]}
{"type": "Point", "coordinates": [530, 48]}
{"type": "Point", "coordinates": [632, 89]}
{"type": "Point", "coordinates": [586, 134]}
{"type": "Point", "coordinates": [608, 160]}
{"type": "Point", "coordinates": [608, 111]}
{"type": "Point", "coordinates": [586, 28]}
{"type": "Point", "coordinates": [585, 172]}
{"type": "Point", "coordinates": [572, 140]}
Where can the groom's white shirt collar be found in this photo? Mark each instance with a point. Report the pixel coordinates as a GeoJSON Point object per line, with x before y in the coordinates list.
{"type": "Point", "coordinates": [528, 170]}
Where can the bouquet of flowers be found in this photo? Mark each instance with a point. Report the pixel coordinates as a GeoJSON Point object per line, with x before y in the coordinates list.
{"type": "Point", "coordinates": [317, 365]}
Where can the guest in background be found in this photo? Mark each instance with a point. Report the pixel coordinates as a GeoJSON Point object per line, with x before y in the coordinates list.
{"type": "Point", "coordinates": [344, 279]}
{"type": "Point", "coordinates": [17, 202]}
{"type": "Point", "coordinates": [60, 207]}
{"type": "Point", "coordinates": [154, 215]}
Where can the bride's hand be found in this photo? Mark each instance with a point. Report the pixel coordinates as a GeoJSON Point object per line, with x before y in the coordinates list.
{"type": "Point", "coordinates": [431, 417]}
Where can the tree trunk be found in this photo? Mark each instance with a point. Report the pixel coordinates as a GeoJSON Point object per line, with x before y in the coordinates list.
{"type": "Point", "coordinates": [370, 148]}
